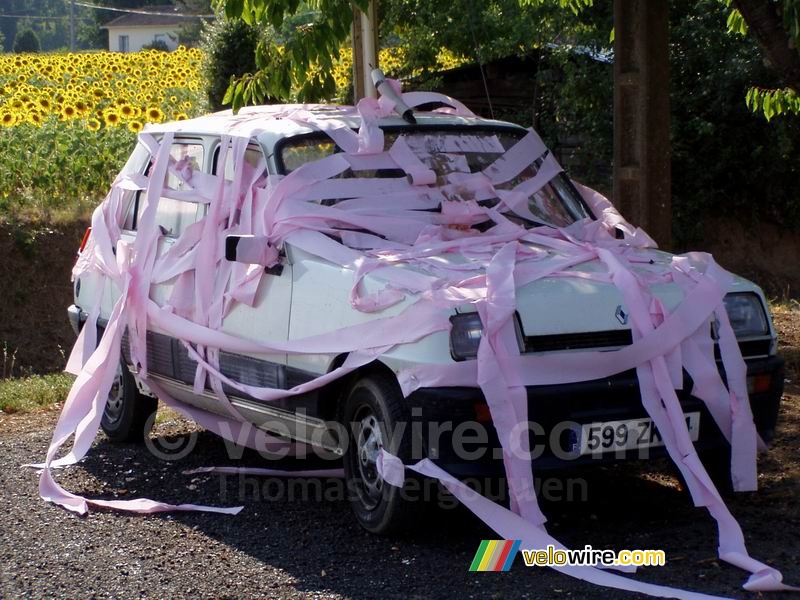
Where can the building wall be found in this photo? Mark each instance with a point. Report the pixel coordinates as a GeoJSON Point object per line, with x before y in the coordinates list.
{"type": "Point", "coordinates": [141, 36]}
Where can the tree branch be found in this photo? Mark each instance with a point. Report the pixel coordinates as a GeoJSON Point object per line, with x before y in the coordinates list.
{"type": "Point", "coordinates": [766, 27]}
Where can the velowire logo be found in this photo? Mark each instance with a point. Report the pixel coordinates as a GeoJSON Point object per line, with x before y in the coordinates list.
{"type": "Point", "coordinates": [495, 555]}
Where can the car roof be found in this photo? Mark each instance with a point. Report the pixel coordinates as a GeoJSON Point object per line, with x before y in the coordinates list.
{"type": "Point", "coordinates": [269, 123]}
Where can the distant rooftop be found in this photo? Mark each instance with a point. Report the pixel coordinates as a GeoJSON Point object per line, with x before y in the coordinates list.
{"type": "Point", "coordinates": [158, 15]}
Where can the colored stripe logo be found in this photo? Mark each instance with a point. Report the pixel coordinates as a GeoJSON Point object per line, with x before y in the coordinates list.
{"type": "Point", "coordinates": [495, 555]}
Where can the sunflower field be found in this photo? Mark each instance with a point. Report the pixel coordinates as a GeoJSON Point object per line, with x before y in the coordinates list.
{"type": "Point", "coordinates": [68, 121]}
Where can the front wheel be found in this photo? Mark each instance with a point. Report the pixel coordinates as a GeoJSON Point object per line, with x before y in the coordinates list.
{"type": "Point", "coordinates": [127, 412]}
{"type": "Point", "coordinates": [372, 411]}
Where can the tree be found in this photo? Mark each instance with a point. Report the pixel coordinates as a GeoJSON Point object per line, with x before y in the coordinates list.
{"type": "Point", "coordinates": [775, 25]}
{"type": "Point", "coordinates": [26, 40]}
{"type": "Point", "coordinates": [312, 32]}
{"type": "Point", "coordinates": [308, 36]}
{"type": "Point", "coordinates": [192, 30]}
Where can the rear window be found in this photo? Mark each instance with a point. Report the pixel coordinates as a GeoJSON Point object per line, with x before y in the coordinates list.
{"type": "Point", "coordinates": [449, 151]}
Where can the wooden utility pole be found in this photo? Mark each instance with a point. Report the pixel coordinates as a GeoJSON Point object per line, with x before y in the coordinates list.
{"type": "Point", "coordinates": [365, 50]}
{"type": "Point", "coordinates": [72, 26]}
{"type": "Point", "coordinates": [642, 171]}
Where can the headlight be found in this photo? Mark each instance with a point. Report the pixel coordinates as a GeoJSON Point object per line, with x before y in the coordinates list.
{"type": "Point", "coordinates": [465, 335]}
{"type": "Point", "coordinates": [746, 314]}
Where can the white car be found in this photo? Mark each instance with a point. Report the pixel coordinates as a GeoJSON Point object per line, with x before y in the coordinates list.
{"type": "Point", "coordinates": [301, 295]}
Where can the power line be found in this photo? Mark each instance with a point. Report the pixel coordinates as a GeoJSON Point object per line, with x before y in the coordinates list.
{"type": "Point", "coordinates": [138, 11]}
{"type": "Point", "coordinates": [44, 18]}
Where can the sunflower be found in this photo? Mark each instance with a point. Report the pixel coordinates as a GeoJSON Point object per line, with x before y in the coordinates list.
{"type": "Point", "coordinates": [135, 126]}
{"type": "Point", "coordinates": [180, 116]}
{"type": "Point", "coordinates": [126, 111]}
{"type": "Point", "coordinates": [93, 124]}
{"type": "Point", "coordinates": [111, 118]}
{"type": "Point", "coordinates": [68, 112]}
{"type": "Point", "coordinates": [154, 114]}
{"type": "Point", "coordinates": [8, 119]}
{"type": "Point", "coordinates": [81, 86]}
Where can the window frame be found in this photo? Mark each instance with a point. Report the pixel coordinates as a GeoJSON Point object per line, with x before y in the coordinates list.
{"type": "Point", "coordinates": [509, 128]}
{"type": "Point", "coordinates": [144, 169]}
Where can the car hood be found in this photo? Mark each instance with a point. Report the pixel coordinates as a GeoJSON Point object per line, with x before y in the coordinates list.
{"type": "Point", "coordinates": [547, 306]}
{"type": "Point", "coordinates": [563, 305]}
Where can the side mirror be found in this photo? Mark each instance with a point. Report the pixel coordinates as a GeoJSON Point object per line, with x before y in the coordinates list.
{"type": "Point", "coordinates": [253, 250]}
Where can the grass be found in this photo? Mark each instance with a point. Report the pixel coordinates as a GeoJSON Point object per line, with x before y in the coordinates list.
{"type": "Point", "coordinates": [27, 394]}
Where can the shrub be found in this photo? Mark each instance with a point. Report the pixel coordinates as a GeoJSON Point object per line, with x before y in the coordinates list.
{"type": "Point", "coordinates": [159, 45]}
{"type": "Point", "coordinates": [229, 47]}
{"type": "Point", "coordinates": [26, 40]}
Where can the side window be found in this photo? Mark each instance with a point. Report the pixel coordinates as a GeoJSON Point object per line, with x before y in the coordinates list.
{"type": "Point", "coordinates": [173, 215]}
{"type": "Point", "coordinates": [252, 158]}
{"type": "Point", "coordinates": [302, 151]}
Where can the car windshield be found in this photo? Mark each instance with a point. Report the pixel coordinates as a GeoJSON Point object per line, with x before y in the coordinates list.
{"type": "Point", "coordinates": [451, 151]}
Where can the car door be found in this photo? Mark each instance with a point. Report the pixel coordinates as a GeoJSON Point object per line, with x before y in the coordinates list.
{"type": "Point", "coordinates": [267, 320]}
{"type": "Point", "coordinates": [173, 216]}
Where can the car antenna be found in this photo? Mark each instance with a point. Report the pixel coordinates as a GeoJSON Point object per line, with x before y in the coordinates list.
{"type": "Point", "coordinates": [386, 90]}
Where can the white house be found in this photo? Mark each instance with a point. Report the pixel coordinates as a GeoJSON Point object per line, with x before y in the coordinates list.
{"type": "Point", "coordinates": [132, 31]}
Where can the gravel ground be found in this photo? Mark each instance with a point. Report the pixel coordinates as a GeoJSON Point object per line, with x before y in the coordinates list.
{"type": "Point", "coordinates": [289, 548]}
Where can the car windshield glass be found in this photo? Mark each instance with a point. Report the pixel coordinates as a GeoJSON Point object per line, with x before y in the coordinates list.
{"type": "Point", "coordinates": [454, 151]}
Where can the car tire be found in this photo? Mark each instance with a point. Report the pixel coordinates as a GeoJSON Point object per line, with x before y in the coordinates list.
{"type": "Point", "coordinates": [127, 415]}
{"type": "Point", "coordinates": [373, 407]}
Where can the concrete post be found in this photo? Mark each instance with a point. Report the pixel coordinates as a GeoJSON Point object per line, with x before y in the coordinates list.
{"type": "Point", "coordinates": [642, 189]}
{"type": "Point", "coordinates": [365, 50]}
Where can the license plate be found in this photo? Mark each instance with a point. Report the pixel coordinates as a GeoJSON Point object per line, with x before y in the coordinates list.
{"type": "Point", "coordinates": [615, 436]}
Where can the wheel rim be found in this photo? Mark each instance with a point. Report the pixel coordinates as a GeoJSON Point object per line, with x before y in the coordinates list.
{"type": "Point", "coordinates": [369, 441]}
{"type": "Point", "coordinates": [113, 411]}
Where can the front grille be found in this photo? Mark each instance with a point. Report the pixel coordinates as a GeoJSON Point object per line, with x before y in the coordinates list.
{"type": "Point", "coordinates": [617, 339]}
{"type": "Point", "coordinates": [578, 341]}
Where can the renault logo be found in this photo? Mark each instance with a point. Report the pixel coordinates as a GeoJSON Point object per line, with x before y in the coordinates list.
{"type": "Point", "coordinates": [621, 315]}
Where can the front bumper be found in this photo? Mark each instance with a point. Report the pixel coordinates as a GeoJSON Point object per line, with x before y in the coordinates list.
{"type": "Point", "coordinates": [436, 414]}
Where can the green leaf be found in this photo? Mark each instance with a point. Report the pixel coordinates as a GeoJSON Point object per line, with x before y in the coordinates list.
{"type": "Point", "coordinates": [228, 97]}
{"type": "Point", "coordinates": [736, 23]}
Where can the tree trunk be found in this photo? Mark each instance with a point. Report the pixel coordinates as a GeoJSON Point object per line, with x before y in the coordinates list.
{"type": "Point", "coordinates": [766, 27]}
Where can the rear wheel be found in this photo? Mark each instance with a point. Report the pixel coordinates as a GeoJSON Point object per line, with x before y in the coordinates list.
{"type": "Point", "coordinates": [126, 417]}
{"type": "Point", "coordinates": [372, 411]}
